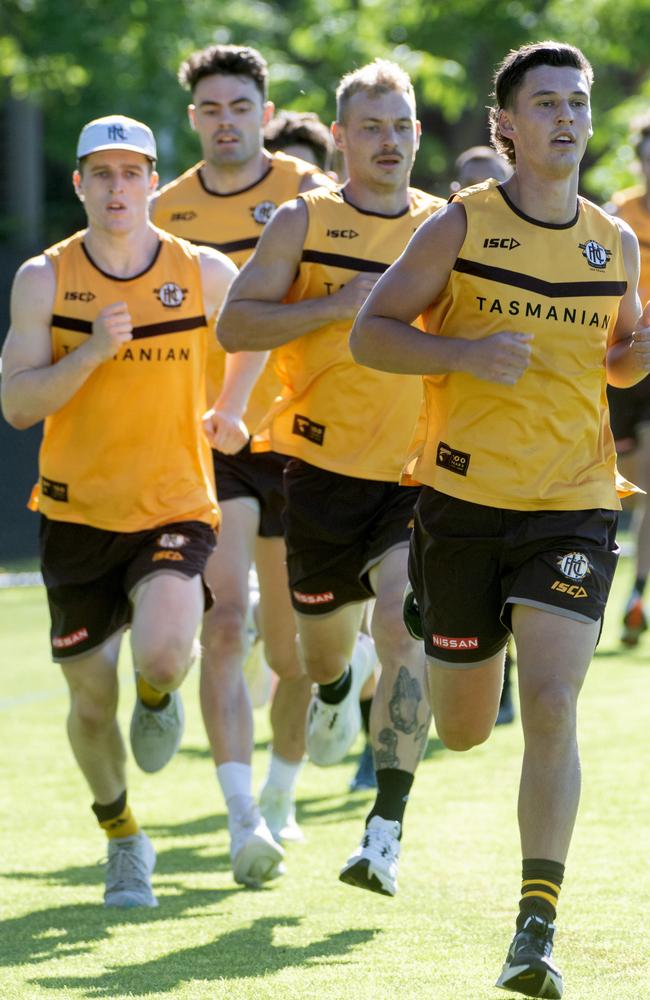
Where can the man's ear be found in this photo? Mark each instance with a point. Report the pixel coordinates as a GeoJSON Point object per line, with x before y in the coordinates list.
{"type": "Point", "coordinates": [504, 124]}
{"type": "Point", "coordinates": [76, 181]}
{"type": "Point", "coordinates": [338, 135]}
{"type": "Point", "coordinates": [268, 112]}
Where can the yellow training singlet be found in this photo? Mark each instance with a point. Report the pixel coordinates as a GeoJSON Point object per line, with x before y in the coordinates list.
{"type": "Point", "coordinates": [127, 452]}
{"type": "Point", "coordinates": [232, 223]}
{"type": "Point", "coordinates": [334, 413]}
{"type": "Point", "coordinates": [631, 206]}
{"type": "Point", "coordinates": [544, 443]}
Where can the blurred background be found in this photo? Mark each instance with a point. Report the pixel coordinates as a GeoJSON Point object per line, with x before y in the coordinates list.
{"type": "Point", "coordinates": [63, 63]}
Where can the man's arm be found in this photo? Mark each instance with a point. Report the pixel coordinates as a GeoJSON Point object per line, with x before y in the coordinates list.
{"type": "Point", "coordinates": [32, 386]}
{"type": "Point", "coordinates": [628, 354]}
{"type": "Point", "coordinates": [254, 317]}
{"type": "Point", "coordinates": [223, 423]}
{"type": "Point", "coordinates": [383, 337]}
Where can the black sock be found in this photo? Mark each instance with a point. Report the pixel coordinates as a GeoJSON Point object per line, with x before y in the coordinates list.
{"type": "Point", "coordinates": [639, 585]}
{"type": "Point", "coordinates": [111, 809]}
{"type": "Point", "coordinates": [393, 787]}
{"type": "Point", "coordinates": [540, 887]}
{"type": "Point", "coordinates": [335, 692]}
{"type": "Point", "coordinates": [365, 705]}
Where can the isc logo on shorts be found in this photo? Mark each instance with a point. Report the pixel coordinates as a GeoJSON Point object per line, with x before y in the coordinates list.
{"type": "Point", "coordinates": [324, 598]}
{"type": "Point", "coordinates": [455, 642]}
{"type": "Point", "coordinates": [572, 589]}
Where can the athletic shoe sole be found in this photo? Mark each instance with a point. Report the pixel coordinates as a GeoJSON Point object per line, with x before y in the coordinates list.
{"type": "Point", "coordinates": [258, 862]}
{"type": "Point", "coordinates": [531, 982]}
{"type": "Point", "coordinates": [362, 875]}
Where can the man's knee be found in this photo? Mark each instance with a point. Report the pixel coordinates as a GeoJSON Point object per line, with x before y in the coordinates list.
{"type": "Point", "coordinates": [164, 665]}
{"type": "Point", "coordinates": [462, 734]}
{"type": "Point", "coordinates": [550, 710]}
{"type": "Point", "coordinates": [323, 665]}
{"type": "Point", "coordinates": [224, 629]}
{"type": "Point", "coordinates": [93, 712]}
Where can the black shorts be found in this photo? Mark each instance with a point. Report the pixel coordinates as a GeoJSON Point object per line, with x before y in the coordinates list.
{"type": "Point", "coordinates": [257, 475]}
{"type": "Point", "coordinates": [469, 564]}
{"type": "Point", "coordinates": [89, 574]}
{"type": "Point", "coordinates": [337, 528]}
{"type": "Point", "coordinates": [628, 410]}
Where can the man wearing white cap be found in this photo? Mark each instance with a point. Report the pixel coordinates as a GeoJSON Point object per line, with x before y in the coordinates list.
{"type": "Point", "coordinates": [107, 344]}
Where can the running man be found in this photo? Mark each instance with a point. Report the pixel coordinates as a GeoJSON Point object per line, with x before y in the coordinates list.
{"type": "Point", "coordinates": [630, 410]}
{"type": "Point", "coordinates": [347, 521]}
{"type": "Point", "coordinates": [225, 201]}
{"type": "Point", "coordinates": [108, 345]}
{"type": "Point", "coordinates": [526, 289]}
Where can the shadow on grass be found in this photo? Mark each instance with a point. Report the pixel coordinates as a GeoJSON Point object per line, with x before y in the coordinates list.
{"type": "Point", "coordinates": [60, 932]}
{"type": "Point", "coordinates": [203, 752]}
{"type": "Point", "coordinates": [185, 860]}
{"type": "Point", "coordinates": [247, 953]}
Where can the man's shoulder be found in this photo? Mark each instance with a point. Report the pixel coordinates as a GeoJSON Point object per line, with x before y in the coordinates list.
{"type": "Point", "coordinates": [329, 196]}
{"type": "Point", "coordinates": [174, 187]}
{"type": "Point", "coordinates": [285, 163]}
{"type": "Point", "coordinates": [58, 249]}
{"type": "Point", "coordinates": [599, 212]}
{"type": "Point", "coordinates": [423, 202]}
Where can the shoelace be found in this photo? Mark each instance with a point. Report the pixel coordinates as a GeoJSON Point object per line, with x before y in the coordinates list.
{"type": "Point", "coordinates": [537, 934]}
{"type": "Point", "coordinates": [157, 721]}
{"type": "Point", "coordinates": [381, 843]}
{"type": "Point", "coordinates": [126, 865]}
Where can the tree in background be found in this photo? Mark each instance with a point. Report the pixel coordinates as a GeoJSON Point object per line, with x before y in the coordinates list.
{"type": "Point", "coordinates": [99, 56]}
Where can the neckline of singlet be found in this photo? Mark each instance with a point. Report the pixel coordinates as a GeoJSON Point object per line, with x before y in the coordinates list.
{"type": "Point", "coordinates": [538, 222]}
{"type": "Point", "coordinates": [232, 194]}
{"type": "Point", "coordinates": [115, 277]}
{"type": "Point", "coordinates": [379, 215]}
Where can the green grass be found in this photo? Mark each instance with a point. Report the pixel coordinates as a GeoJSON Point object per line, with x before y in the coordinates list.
{"type": "Point", "coordinates": [442, 938]}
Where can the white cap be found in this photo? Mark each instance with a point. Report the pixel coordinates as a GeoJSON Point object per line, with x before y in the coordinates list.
{"type": "Point", "coordinates": [116, 132]}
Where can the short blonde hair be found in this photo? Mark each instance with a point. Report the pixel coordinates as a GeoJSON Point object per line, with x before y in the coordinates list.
{"type": "Point", "coordinates": [378, 77]}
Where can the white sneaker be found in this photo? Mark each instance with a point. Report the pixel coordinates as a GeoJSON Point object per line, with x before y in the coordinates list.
{"type": "Point", "coordinates": [131, 860]}
{"type": "Point", "coordinates": [332, 729]}
{"type": "Point", "coordinates": [255, 856]}
{"type": "Point", "coordinates": [277, 808]}
{"type": "Point", "coordinates": [156, 734]}
{"type": "Point", "coordinates": [374, 863]}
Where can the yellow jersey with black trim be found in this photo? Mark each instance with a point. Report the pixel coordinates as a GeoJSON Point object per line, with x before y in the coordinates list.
{"type": "Point", "coordinates": [127, 452]}
{"type": "Point", "coordinates": [334, 413]}
{"type": "Point", "coordinates": [232, 223]}
{"type": "Point", "coordinates": [631, 205]}
{"type": "Point", "coordinates": [545, 442]}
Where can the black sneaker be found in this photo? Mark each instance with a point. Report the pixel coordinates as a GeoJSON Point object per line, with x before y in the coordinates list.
{"type": "Point", "coordinates": [411, 615]}
{"type": "Point", "coordinates": [529, 968]}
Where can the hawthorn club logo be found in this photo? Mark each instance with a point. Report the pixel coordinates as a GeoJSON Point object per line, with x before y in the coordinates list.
{"type": "Point", "coordinates": [170, 294]}
{"type": "Point", "coordinates": [596, 255]}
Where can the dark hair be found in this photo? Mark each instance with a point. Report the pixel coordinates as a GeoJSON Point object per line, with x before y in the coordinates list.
{"type": "Point", "coordinates": [511, 71]}
{"type": "Point", "coordinates": [641, 134]}
{"type": "Point", "coordinates": [299, 127]}
{"type": "Point", "coordinates": [227, 60]}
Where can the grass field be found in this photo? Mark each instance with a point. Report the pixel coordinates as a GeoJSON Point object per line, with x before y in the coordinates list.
{"type": "Point", "coordinates": [443, 937]}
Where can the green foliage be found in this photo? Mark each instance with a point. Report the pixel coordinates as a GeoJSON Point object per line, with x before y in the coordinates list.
{"type": "Point", "coordinates": [123, 55]}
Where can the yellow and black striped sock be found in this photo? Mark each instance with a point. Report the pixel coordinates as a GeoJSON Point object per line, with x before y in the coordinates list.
{"type": "Point", "coordinates": [541, 881]}
{"type": "Point", "coordinates": [149, 695]}
{"type": "Point", "coordinates": [116, 818]}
